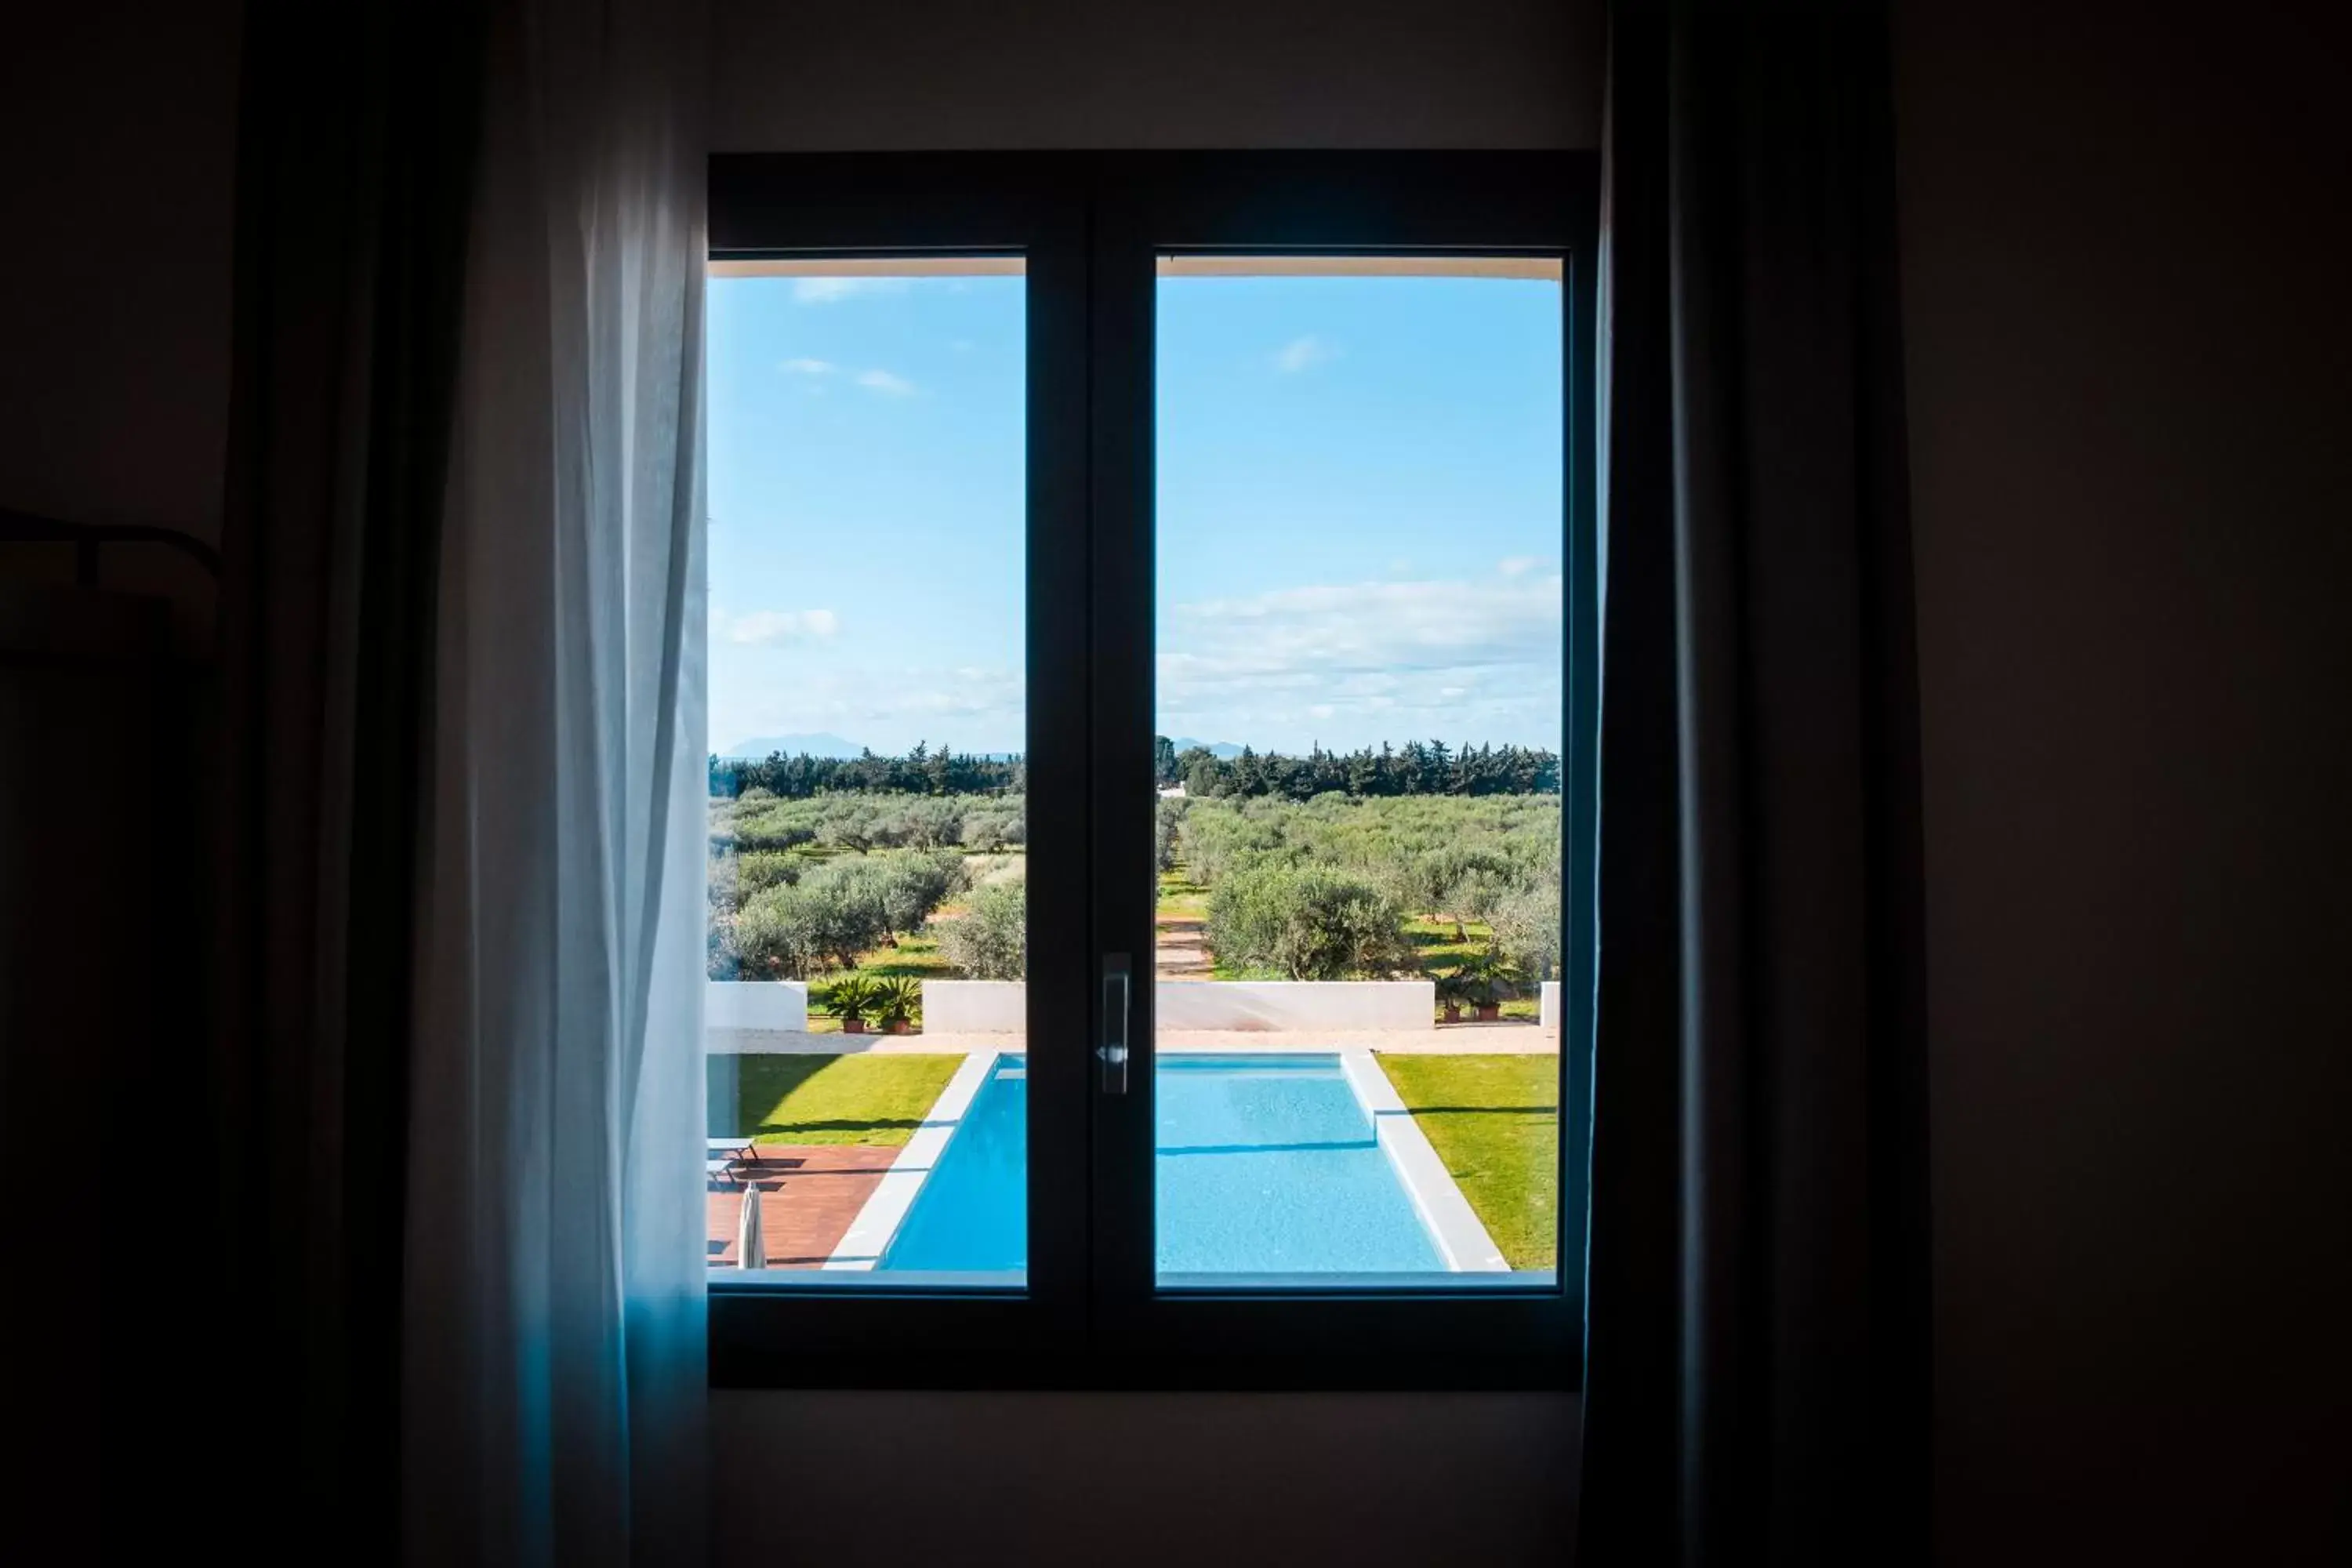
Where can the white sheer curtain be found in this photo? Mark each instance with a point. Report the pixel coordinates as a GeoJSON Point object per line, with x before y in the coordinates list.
{"type": "Point", "coordinates": [553, 1345]}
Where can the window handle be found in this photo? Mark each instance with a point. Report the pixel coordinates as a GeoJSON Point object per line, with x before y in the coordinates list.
{"type": "Point", "coordinates": [1113, 1049]}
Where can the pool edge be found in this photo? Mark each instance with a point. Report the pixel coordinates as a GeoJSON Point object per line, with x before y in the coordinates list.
{"type": "Point", "coordinates": [1453, 1224]}
{"type": "Point", "coordinates": [869, 1234]}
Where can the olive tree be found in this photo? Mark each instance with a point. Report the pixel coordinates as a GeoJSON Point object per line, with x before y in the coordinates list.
{"type": "Point", "coordinates": [1527, 929]}
{"type": "Point", "coordinates": [1311, 924]}
{"type": "Point", "coordinates": [990, 940]}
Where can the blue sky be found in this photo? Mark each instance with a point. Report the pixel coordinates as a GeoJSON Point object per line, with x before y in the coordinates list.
{"type": "Point", "coordinates": [1359, 487]}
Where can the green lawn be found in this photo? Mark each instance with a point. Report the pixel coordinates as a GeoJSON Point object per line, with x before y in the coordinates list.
{"type": "Point", "coordinates": [1494, 1120]}
{"type": "Point", "coordinates": [1181, 897]}
{"type": "Point", "coordinates": [877, 1101]}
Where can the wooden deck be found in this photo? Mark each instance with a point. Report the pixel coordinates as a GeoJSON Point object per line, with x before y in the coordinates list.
{"type": "Point", "coordinates": [809, 1193]}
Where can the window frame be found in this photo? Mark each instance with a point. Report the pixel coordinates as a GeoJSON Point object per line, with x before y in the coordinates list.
{"type": "Point", "coordinates": [1092, 225]}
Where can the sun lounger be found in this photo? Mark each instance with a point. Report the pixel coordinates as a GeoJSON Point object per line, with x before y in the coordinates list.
{"type": "Point", "coordinates": [724, 1154]}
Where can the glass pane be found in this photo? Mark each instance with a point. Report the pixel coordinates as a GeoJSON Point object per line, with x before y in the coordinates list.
{"type": "Point", "coordinates": [1360, 627]}
{"type": "Point", "coordinates": [867, 924]}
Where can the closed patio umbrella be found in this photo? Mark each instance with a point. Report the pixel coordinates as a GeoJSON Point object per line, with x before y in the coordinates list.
{"type": "Point", "coordinates": [751, 1243]}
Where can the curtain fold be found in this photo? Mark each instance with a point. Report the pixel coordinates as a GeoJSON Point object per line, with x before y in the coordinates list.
{"type": "Point", "coordinates": [554, 1368]}
{"type": "Point", "coordinates": [1757, 1331]}
{"type": "Point", "coordinates": [357, 156]}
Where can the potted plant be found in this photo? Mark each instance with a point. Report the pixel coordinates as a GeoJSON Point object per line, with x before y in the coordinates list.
{"type": "Point", "coordinates": [850, 999]}
{"type": "Point", "coordinates": [896, 1002]}
{"type": "Point", "coordinates": [1453, 994]}
{"type": "Point", "coordinates": [1485, 980]}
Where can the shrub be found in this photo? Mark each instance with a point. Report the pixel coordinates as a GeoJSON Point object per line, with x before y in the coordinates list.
{"type": "Point", "coordinates": [787, 931]}
{"type": "Point", "coordinates": [769, 937]}
{"type": "Point", "coordinates": [1527, 929]}
{"type": "Point", "coordinates": [849, 824]}
{"type": "Point", "coordinates": [911, 886]}
{"type": "Point", "coordinates": [1309, 924]}
{"type": "Point", "coordinates": [757, 870]}
{"type": "Point", "coordinates": [1412, 882]}
{"type": "Point", "coordinates": [1166, 825]}
{"type": "Point", "coordinates": [722, 959]}
{"type": "Point", "coordinates": [990, 940]}
{"type": "Point", "coordinates": [1217, 842]}
{"type": "Point", "coordinates": [1477, 894]}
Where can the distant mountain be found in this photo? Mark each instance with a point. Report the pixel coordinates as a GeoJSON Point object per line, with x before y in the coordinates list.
{"type": "Point", "coordinates": [1225, 751]}
{"type": "Point", "coordinates": [823, 743]}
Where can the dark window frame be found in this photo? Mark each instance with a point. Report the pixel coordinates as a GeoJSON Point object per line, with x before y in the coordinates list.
{"type": "Point", "coordinates": [1091, 226]}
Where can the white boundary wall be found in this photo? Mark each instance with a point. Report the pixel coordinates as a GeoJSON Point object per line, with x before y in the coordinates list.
{"type": "Point", "coordinates": [1285, 1005]}
{"type": "Point", "coordinates": [975, 1007]}
{"type": "Point", "coordinates": [754, 1005]}
{"type": "Point", "coordinates": [1550, 1016]}
{"type": "Point", "coordinates": [1001, 1006]}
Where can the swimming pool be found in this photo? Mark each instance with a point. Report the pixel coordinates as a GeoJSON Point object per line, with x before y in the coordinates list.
{"type": "Point", "coordinates": [1266, 1164]}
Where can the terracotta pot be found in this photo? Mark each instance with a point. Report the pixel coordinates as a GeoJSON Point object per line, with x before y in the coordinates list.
{"type": "Point", "coordinates": [897, 1025]}
{"type": "Point", "coordinates": [1453, 1014]}
{"type": "Point", "coordinates": [853, 1025]}
{"type": "Point", "coordinates": [1489, 1012]}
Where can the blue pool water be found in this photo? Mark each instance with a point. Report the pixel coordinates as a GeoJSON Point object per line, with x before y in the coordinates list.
{"type": "Point", "coordinates": [1268, 1164]}
{"type": "Point", "coordinates": [973, 1213]}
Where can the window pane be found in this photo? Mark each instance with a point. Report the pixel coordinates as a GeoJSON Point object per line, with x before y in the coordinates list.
{"type": "Point", "coordinates": [1360, 627]}
{"type": "Point", "coordinates": [867, 924]}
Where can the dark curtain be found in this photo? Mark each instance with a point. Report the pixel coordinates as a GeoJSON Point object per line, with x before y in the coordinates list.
{"type": "Point", "coordinates": [355, 170]}
{"type": "Point", "coordinates": [1757, 1343]}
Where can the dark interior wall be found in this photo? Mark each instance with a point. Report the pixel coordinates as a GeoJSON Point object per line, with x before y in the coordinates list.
{"type": "Point", "coordinates": [2129, 361]}
{"type": "Point", "coordinates": [930, 74]}
{"type": "Point", "coordinates": [117, 146]}
{"type": "Point", "coordinates": [1083, 1479]}
{"type": "Point", "coordinates": [115, 174]}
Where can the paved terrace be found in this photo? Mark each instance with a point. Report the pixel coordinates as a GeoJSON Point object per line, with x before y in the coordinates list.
{"type": "Point", "coordinates": [809, 1193]}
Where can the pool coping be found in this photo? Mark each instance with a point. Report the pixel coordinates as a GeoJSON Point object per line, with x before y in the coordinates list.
{"type": "Point", "coordinates": [1460, 1236]}
{"type": "Point", "coordinates": [869, 1235]}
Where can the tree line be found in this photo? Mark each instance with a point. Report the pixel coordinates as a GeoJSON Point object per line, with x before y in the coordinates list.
{"type": "Point", "coordinates": [922, 771]}
{"type": "Point", "coordinates": [1416, 767]}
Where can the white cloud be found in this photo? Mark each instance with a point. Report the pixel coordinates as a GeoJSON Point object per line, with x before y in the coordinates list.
{"type": "Point", "coordinates": [833, 291]}
{"type": "Point", "coordinates": [1299, 353]}
{"type": "Point", "coordinates": [1520, 566]}
{"type": "Point", "coordinates": [763, 628]}
{"type": "Point", "coordinates": [887, 707]}
{"type": "Point", "coordinates": [809, 367]}
{"type": "Point", "coordinates": [1394, 658]}
{"type": "Point", "coordinates": [882, 381]}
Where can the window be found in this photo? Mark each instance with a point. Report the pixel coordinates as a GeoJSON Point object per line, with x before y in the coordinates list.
{"type": "Point", "coordinates": [1358, 619]}
{"type": "Point", "coordinates": [1151, 702]}
{"type": "Point", "coordinates": [868, 917]}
